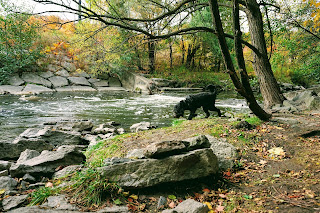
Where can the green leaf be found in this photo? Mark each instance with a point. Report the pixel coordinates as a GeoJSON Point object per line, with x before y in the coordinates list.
{"type": "Point", "coordinates": [248, 197]}
{"type": "Point", "coordinates": [117, 202]}
{"type": "Point", "coordinates": [172, 197]}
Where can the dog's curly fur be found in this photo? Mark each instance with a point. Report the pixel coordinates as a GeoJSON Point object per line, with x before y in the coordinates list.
{"type": "Point", "coordinates": [206, 100]}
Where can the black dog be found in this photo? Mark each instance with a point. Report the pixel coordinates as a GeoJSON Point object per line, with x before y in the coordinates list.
{"type": "Point", "coordinates": [206, 100]}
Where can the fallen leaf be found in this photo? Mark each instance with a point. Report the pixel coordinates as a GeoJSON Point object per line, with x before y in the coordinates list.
{"type": "Point", "coordinates": [2, 191]}
{"type": "Point", "coordinates": [222, 196]}
{"type": "Point", "coordinates": [206, 190]}
{"type": "Point", "coordinates": [172, 197]}
{"type": "Point", "coordinates": [309, 194]}
{"type": "Point", "coordinates": [219, 208]}
{"type": "Point", "coordinates": [209, 205]}
{"type": "Point", "coordinates": [277, 151]}
{"type": "Point", "coordinates": [263, 162]}
{"type": "Point", "coordinates": [49, 184]}
{"type": "Point", "coordinates": [135, 197]}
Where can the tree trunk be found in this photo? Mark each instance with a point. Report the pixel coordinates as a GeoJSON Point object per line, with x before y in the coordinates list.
{"type": "Point", "coordinates": [151, 53]}
{"type": "Point", "coordinates": [139, 64]}
{"type": "Point", "coordinates": [256, 109]}
{"type": "Point", "coordinates": [183, 50]}
{"type": "Point", "coordinates": [269, 87]}
{"type": "Point", "coordinates": [191, 53]}
{"type": "Point", "coordinates": [171, 55]}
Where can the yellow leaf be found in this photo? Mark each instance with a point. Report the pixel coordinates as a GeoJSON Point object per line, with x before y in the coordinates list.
{"type": "Point", "coordinates": [209, 205]}
{"type": "Point", "coordinates": [2, 191]}
{"type": "Point", "coordinates": [277, 151]}
{"type": "Point", "coordinates": [135, 197]}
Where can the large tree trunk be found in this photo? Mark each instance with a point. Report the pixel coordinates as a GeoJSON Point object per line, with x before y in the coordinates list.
{"type": "Point", "coordinates": [243, 89]}
{"type": "Point", "coordinates": [151, 53]}
{"type": "Point", "coordinates": [192, 49]}
{"type": "Point", "coordinates": [268, 84]}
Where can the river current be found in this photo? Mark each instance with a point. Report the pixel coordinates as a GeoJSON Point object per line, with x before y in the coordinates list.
{"type": "Point", "coordinates": [18, 114]}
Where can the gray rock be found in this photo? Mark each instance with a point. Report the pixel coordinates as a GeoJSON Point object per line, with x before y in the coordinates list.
{"type": "Point", "coordinates": [13, 202]}
{"type": "Point", "coordinates": [307, 100]}
{"type": "Point", "coordinates": [5, 165]}
{"type": "Point", "coordinates": [110, 89]}
{"type": "Point", "coordinates": [36, 185]}
{"type": "Point", "coordinates": [197, 142]}
{"type": "Point", "coordinates": [136, 154]}
{"type": "Point", "coordinates": [82, 89]}
{"type": "Point", "coordinates": [114, 209]}
{"type": "Point", "coordinates": [161, 202]}
{"type": "Point", "coordinates": [60, 203]}
{"type": "Point", "coordinates": [141, 126]}
{"type": "Point", "coordinates": [47, 74]}
{"type": "Point", "coordinates": [189, 206]}
{"type": "Point", "coordinates": [66, 171]}
{"type": "Point", "coordinates": [54, 137]}
{"type": "Point", "coordinates": [79, 81]}
{"type": "Point", "coordinates": [160, 82]}
{"type": "Point", "coordinates": [93, 80]}
{"type": "Point", "coordinates": [226, 153]}
{"type": "Point", "coordinates": [150, 172]}
{"type": "Point", "coordinates": [114, 82]}
{"type": "Point", "coordinates": [164, 149]}
{"type": "Point", "coordinates": [4, 173]}
{"type": "Point", "coordinates": [64, 89]}
{"type": "Point", "coordinates": [8, 183]}
{"type": "Point", "coordinates": [81, 73]}
{"type": "Point", "coordinates": [63, 73]}
{"type": "Point", "coordinates": [29, 178]}
{"type": "Point", "coordinates": [35, 79]}
{"type": "Point", "coordinates": [103, 129]}
{"type": "Point", "coordinates": [27, 155]}
{"type": "Point", "coordinates": [58, 81]}
{"type": "Point", "coordinates": [102, 83]}
{"type": "Point", "coordinates": [15, 90]}
{"type": "Point", "coordinates": [16, 81]}
{"type": "Point", "coordinates": [69, 66]}
{"type": "Point", "coordinates": [53, 68]}
{"type": "Point", "coordinates": [35, 89]}
{"type": "Point", "coordinates": [14, 149]}
{"type": "Point", "coordinates": [77, 126]}
{"type": "Point", "coordinates": [37, 209]}
{"type": "Point", "coordinates": [46, 163]}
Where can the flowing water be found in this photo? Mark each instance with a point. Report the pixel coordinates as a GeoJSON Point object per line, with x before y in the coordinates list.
{"type": "Point", "coordinates": [18, 114]}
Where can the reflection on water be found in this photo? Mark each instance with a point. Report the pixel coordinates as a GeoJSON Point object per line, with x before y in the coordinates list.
{"type": "Point", "coordinates": [126, 108]}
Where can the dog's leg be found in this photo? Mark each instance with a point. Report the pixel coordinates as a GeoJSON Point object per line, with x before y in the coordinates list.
{"type": "Point", "coordinates": [192, 114]}
{"type": "Point", "coordinates": [206, 110]}
{"type": "Point", "coordinates": [217, 110]}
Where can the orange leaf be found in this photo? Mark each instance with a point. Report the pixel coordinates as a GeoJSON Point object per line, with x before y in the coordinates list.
{"type": "Point", "coordinates": [206, 190]}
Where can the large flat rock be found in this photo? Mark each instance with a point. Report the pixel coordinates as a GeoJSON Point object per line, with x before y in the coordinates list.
{"type": "Point", "coordinates": [82, 89]}
{"type": "Point", "coordinates": [15, 90]}
{"type": "Point", "coordinates": [82, 81]}
{"type": "Point", "coordinates": [58, 81]}
{"type": "Point", "coordinates": [35, 79]}
{"type": "Point", "coordinates": [16, 81]}
{"type": "Point", "coordinates": [150, 172]}
{"type": "Point", "coordinates": [108, 89]}
{"type": "Point", "coordinates": [35, 89]}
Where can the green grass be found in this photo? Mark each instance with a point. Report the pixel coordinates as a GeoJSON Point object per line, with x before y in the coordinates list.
{"type": "Point", "coordinates": [40, 196]}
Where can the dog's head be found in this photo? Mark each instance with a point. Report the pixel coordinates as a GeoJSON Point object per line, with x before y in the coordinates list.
{"type": "Point", "coordinates": [213, 88]}
{"type": "Point", "coordinates": [179, 109]}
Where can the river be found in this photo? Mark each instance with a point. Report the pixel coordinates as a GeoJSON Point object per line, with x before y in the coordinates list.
{"type": "Point", "coordinates": [17, 114]}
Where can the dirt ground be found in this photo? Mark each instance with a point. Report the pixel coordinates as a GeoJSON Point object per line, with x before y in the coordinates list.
{"type": "Point", "coordinates": [278, 168]}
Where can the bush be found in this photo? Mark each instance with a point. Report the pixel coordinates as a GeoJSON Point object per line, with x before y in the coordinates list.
{"type": "Point", "coordinates": [18, 50]}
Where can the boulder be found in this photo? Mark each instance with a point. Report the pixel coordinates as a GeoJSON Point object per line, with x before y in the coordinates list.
{"type": "Point", "coordinates": [58, 81]}
{"type": "Point", "coordinates": [189, 206]}
{"type": "Point", "coordinates": [64, 89]}
{"type": "Point", "coordinates": [29, 178]}
{"type": "Point", "coordinates": [53, 68]}
{"type": "Point", "coordinates": [114, 82]}
{"type": "Point", "coordinates": [164, 149]}
{"type": "Point", "coordinates": [36, 89]}
{"type": "Point", "coordinates": [5, 165]}
{"type": "Point", "coordinates": [47, 74]}
{"type": "Point", "coordinates": [13, 150]}
{"type": "Point", "coordinates": [82, 89]}
{"type": "Point", "coordinates": [16, 81]}
{"type": "Point", "coordinates": [15, 90]}
{"type": "Point", "coordinates": [8, 183]}
{"type": "Point", "coordinates": [13, 202]}
{"type": "Point", "coordinates": [35, 79]}
{"type": "Point", "coordinates": [79, 81]}
{"type": "Point", "coordinates": [66, 171]}
{"type": "Point", "coordinates": [77, 126]}
{"type": "Point", "coordinates": [136, 154]}
{"type": "Point", "coordinates": [103, 129]}
{"type": "Point", "coordinates": [27, 155]}
{"type": "Point", "coordinates": [81, 73]}
{"type": "Point", "coordinates": [141, 126]}
{"type": "Point", "coordinates": [59, 203]}
{"type": "Point", "coordinates": [226, 153]}
{"type": "Point", "coordinates": [197, 142]}
{"type": "Point", "coordinates": [110, 89]}
{"type": "Point", "coordinates": [4, 173]}
{"type": "Point", "coordinates": [63, 73]}
{"type": "Point", "coordinates": [69, 66]}
{"type": "Point", "coordinates": [46, 163]}
{"type": "Point", "coordinates": [54, 137]}
{"type": "Point", "coordinates": [150, 172]}
{"type": "Point", "coordinates": [102, 83]}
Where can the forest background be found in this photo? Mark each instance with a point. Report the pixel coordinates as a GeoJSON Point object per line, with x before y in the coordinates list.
{"type": "Point", "coordinates": [292, 32]}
